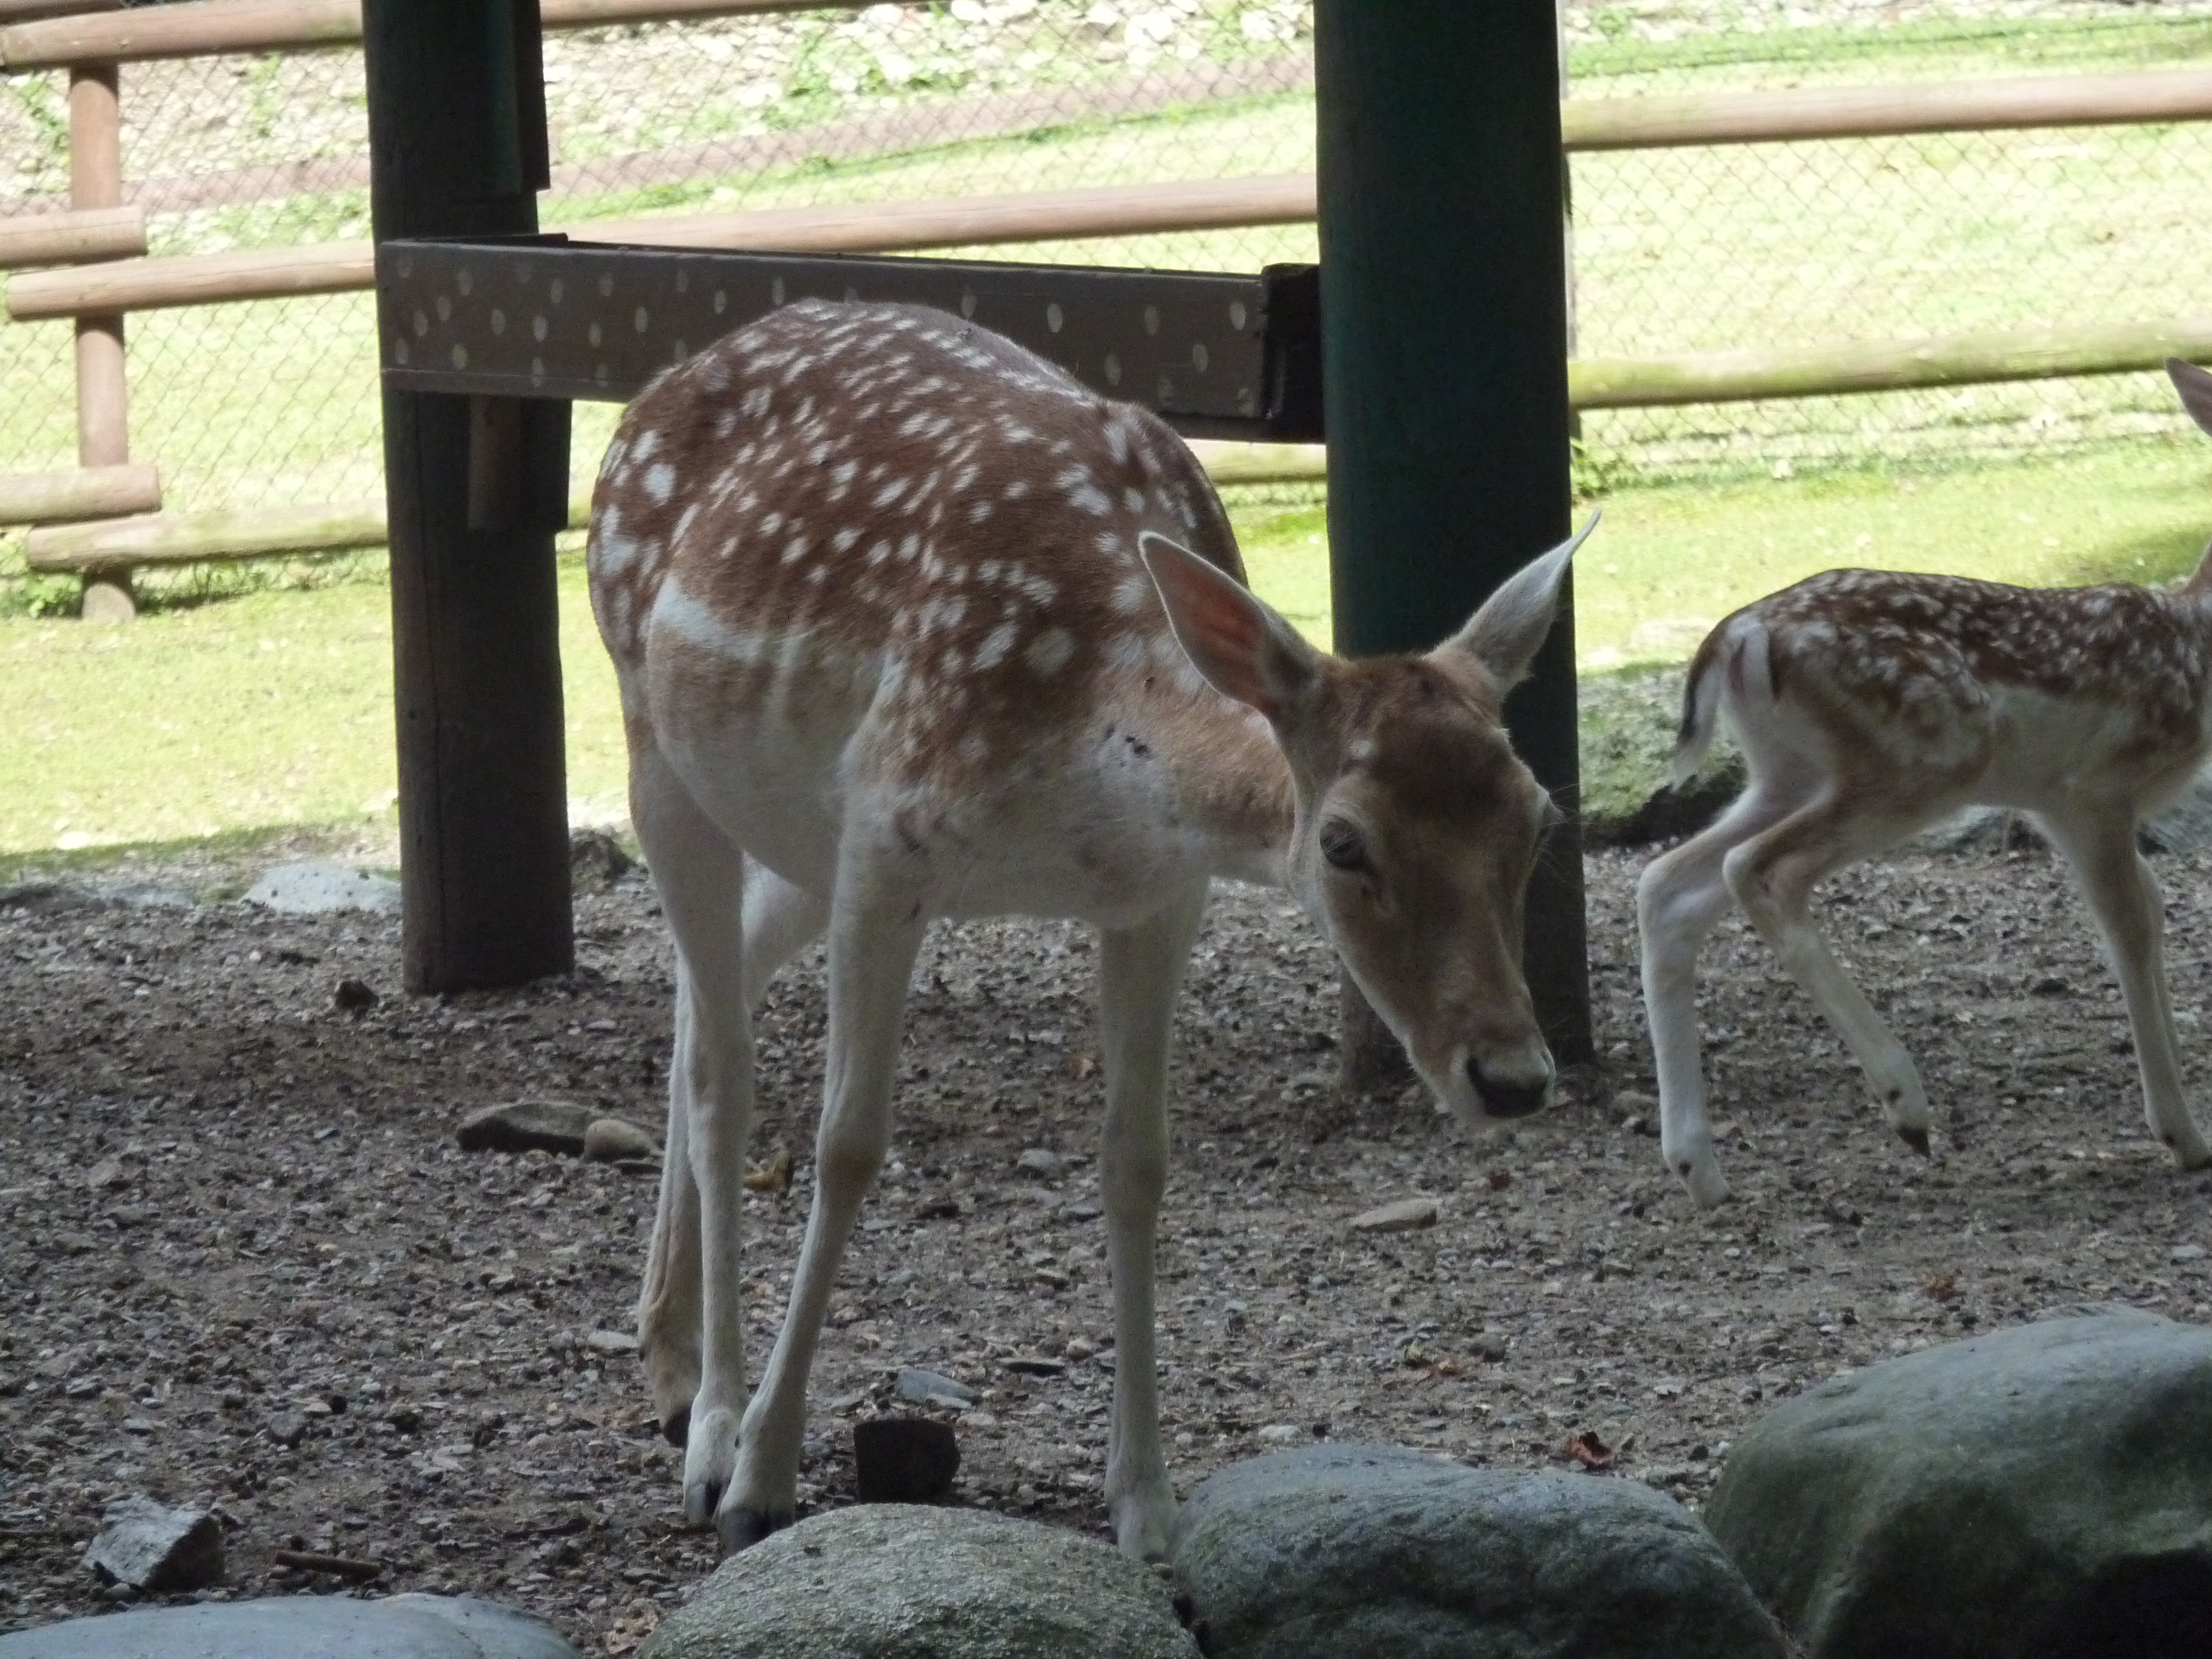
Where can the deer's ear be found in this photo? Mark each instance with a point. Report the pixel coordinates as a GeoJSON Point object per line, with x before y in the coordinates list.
{"type": "Point", "coordinates": [1244, 650]}
{"type": "Point", "coordinates": [2195, 387]}
{"type": "Point", "coordinates": [1504, 636]}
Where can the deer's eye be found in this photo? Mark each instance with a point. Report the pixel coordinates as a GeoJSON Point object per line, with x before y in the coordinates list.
{"type": "Point", "coordinates": [1342, 846]}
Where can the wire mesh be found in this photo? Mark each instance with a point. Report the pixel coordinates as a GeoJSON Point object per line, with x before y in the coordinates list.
{"type": "Point", "coordinates": [274, 402]}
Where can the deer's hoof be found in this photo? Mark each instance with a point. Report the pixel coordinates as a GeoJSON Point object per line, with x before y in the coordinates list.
{"type": "Point", "coordinates": [1914, 1137]}
{"type": "Point", "coordinates": [741, 1529]}
{"type": "Point", "coordinates": [676, 1425]}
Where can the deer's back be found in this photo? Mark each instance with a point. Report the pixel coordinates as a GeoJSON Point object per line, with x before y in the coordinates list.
{"type": "Point", "coordinates": [874, 546]}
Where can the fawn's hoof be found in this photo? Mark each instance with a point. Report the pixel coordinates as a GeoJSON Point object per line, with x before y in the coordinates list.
{"type": "Point", "coordinates": [740, 1528]}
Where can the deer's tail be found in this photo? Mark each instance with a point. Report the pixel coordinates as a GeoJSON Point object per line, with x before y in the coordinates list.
{"type": "Point", "coordinates": [1701, 708]}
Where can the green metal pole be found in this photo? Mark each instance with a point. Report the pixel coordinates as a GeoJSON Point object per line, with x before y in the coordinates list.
{"type": "Point", "coordinates": [1444, 343]}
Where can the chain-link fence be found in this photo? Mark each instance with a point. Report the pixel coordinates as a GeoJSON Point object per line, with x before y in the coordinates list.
{"type": "Point", "coordinates": [269, 403]}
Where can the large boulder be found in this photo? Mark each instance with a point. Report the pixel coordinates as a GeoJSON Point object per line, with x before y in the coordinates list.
{"type": "Point", "coordinates": [2039, 1491]}
{"type": "Point", "coordinates": [291, 1626]}
{"type": "Point", "coordinates": [1366, 1552]}
{"type": "Point", "coordinates": [898, 1582]}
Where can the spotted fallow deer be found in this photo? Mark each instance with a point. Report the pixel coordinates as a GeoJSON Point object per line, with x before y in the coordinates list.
{"type": "Point", "coordinates": [1870, 703]}
{"type": "Point", "coordinates": [908, 624]}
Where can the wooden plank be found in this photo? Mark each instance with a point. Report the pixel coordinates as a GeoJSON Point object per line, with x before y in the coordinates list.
{"type": "Point", "coordinates": [85, 492]}
{"type": "Point", "coordinates": [206, 27]}
{"type": "Point", "coordinates": [1231, 463]}
{"type": "Point", "coordinates": [1755, 117]}
{"type": "Point", "coordinates": [344, 267]}
{"type": "Point", "coordinates": [1884, 365]}
{"type": "Point", "coordinates": [81, 233]}
{"type": "Point", "coordinates": [185, 537]}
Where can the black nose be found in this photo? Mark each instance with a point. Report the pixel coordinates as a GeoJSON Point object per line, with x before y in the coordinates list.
{"type": "Point", "coordinates": [1505, 1099]}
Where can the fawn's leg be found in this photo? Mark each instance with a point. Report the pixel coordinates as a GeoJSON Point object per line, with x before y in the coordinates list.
{"type": "Point", "coordinates": [1679, 897]}
{"type": "Point", "coordinates": [2124, 895]}
{"type": "Point", "coordinates": [875, 929]}
{"type": "Point", "coordinates": [1140, 971]}
{"type": "Point", "coordinates": [1772, 876]}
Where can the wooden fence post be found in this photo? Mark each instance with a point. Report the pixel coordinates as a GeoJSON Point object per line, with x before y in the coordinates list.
{"type": "Point", "coordinates": [103, 403]}
{"type": "Point", "coordinates": [456, 135]}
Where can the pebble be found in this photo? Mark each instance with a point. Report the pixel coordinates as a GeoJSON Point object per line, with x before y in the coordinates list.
{"type": "Point", "coordinates": [612, 1140]}
{"type": "Point", "coordinates": [353, 996]}
{"type": "Point", "coordinates": [1040, 1161]}
{"type": "Point", "coordinates": [928, 1387]}
{"type": "Point", "coordinates": [1402, 1216]}
{"type": "Point", "coordinates": [612, 1341]}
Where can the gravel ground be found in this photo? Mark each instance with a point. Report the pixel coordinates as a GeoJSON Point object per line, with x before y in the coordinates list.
{"type": "Point", "coordinates": [245, 1266]}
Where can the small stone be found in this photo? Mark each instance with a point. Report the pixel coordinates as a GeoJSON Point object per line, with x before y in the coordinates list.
{"type": "Point", "coordinates": [520, 1125]}
{"type": "Point", "coordinates": [2186, 1253]}
{"type": "Point", "coordinates": [149, 1546]}
{"type": "Point", "coordinates": [313, 887]}
{"type": "Point", "coordinates": [1040, 1161]}
{"type": "Point", "coordinates": [596, 860]}
{"type": "Point", "coordinates": [612, 1140]}
{"type": "Point", "coordinates": [1277, 1434]}
{"type": "Point", "coordinates": [353, 996]}
{"type": "Point", "coordinates": [1402, 1216]}
{"type": "Point", "coordinates": [903, 1459]}
{"type": "Point", "coordinates": [1490, 1344]}
{"type": "Point", "coordinates": [1080, 1348]}
{"type": "Point", "coordinates": [612, 1341]}
{"type": "Point", "coordinates": [287, 1429]}
{"type": "Point", "coordinates": [106, 1173]}
{"type": "Point", "coordinates": [1036, 1366]}
{"type": "Point", "coordinates": [928, 1387]}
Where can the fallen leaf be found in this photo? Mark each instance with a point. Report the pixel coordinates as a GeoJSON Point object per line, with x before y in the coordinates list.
{"type": "Point", "coordinates": [1940, 1287]}
{"type": "Point", "coordinates": [1587, 1449]}
{"type": "Point", "coordinates": [773, 1176]}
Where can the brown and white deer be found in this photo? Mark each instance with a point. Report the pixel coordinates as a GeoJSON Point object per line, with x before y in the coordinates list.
{"type": "Point", "coordinates": [907, 624]}
{"type": "Point", "coordinates": [1869, 704]}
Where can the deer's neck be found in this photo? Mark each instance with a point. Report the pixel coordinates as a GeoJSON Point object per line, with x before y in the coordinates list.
{"type": "Point", "coordinates": [1230, 785]}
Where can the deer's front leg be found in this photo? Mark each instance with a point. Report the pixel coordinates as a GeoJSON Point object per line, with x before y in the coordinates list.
{"type": "Point", "coordinates": [1772, 876]}
{"type": "Point", "coordinates": [1140, 971]}
{"type": "Point", "coordinates": [875, 929]}
{"type": "Point", "coordinates": [1678, 899]}
{"type": "Point", "coordinates": [2124, 895]}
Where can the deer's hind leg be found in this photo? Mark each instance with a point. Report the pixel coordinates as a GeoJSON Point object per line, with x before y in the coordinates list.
{"type": "Point", "coordinates": [1679, 897]}
{"type": "Point", "coordinates": [780, 919]}
{"type": "Point", "coordinates": [1772, 876]}
{"type": "Point", "coordinates": [691, 1313]}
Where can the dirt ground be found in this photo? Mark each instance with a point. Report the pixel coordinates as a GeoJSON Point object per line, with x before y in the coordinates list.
{"type": "Point", "coordinates": [244, 1265]}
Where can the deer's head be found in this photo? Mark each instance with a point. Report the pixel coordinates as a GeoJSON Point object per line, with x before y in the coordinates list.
{"type": "Point", "coordinates": [1417, 825]}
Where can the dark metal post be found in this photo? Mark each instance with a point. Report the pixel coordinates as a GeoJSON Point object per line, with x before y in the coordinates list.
{"type": "Point", "coordinates": [457, 134]}
{"type": "Point", "coordinates": [1443, 287]}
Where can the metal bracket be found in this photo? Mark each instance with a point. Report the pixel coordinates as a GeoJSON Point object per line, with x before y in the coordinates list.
{"type": "Point", "coordinates": [1215, 355]}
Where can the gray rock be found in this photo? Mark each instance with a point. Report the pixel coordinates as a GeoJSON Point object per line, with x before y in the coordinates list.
{"type": "Point", "coordinates": [1040, 1161]}
{"type": "Point", "coordinates": [314, 887]}
{"type": "Point", "coordinates": [903, 1459]}
{"type": "Point", "coordinates": [894, 1582]}
{"type": "Point", "coordinates": [290, 1626]}
{"type": "Point", "coordinates": [555, 1126]}
{"type": "Point", "coordinates": [612, 1140]}
{"type": "Point", "coordinates": [1367, 1552]}
{"type": "Point", "coordinates": [150, 1546]}
{"type": "Point", "coordinates": [928, 1387]}
{"type": "Point", "coordinates": [2039, 1491]}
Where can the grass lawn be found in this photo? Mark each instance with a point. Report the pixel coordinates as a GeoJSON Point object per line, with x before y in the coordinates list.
{"type": "Point", "coordinates": [273, 709]}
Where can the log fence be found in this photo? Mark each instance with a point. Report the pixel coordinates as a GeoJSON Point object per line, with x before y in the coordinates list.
{"type": "Point", "coordinates": [97, 268]}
